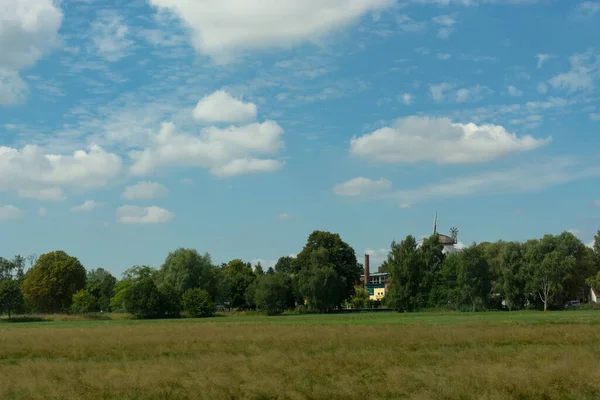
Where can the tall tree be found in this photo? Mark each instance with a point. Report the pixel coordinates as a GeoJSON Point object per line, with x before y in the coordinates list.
{"type": "Point", "coordinates": [11, 298]}
{"type": "Point", "coordinates": [327, 251]}
{"type": "Point", "coordinates": [432, 255]}
{"type": "Point", "coordinates": [511, 281]}
{"type": "Point", "coordinates": [271, 294]}
{"type": "Point", "coordinates": [100, 284]}
{"type": "Point", "coordinates": [51, 283]}
{"type": "Point", "coordinates": [239, 276]}
{"type": "Point", "coordinates": [186, 269]}
{"type": "Point", "coordinates": [473, 276]}
{"type": "Point", "coordinates": [284, 264]}
{"type": "Point", "coordinates": [406, 275]}
{"type": "Point", "coordinates": [258, 270]}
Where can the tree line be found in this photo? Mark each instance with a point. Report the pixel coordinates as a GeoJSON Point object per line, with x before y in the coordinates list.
{"type": "Point", "coordinates": [325, 276]}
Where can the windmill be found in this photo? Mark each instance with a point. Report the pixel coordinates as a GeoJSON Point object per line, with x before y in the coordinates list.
{"type": "Point", "coordinates": [454, 234]}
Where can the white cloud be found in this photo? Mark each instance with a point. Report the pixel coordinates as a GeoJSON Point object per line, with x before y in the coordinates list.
{"type": "Point", "coordinates": [28, 30]}
{"type": "Point", "coordinates": [446, 23]}
{"type": "Point", "coordinates": [220, 106]}
{"type": "Point", "coordinates": [595, 116]}
{"type": "Point", "coordinates": [416, 139]}
{"type": "Point", "coordinates": [32, 173]}
{"type": "Point", "coordinates": [88, 205]}
{"type": "Point", "coordinates": [513, 91]}
{"type": "Point", "coordinates": [187, 181]}
{"type": "Point", "coordinates": [445, 91]}
{"type": "Point", "coordinates": [521, 179]}
{"type": "Point", "coordinates": [574, 231]}
{"type": "Point", "coordinates": [223, 29]}
{"type": "Point", "coordinates": [45, 194]}
{"type": "Point", "coordinates": [438, 91]}
{"type": "Point", "coordinates": [541, 59]}
{"type": "Point", "coordinates": [145, 190]}
{"type": "Point", "coordinates": [284, 216]}
{"type": "Point", "coordinates": [406, 98]}
{"type": "Point", "coordinates": [407, 24]}
{"type": "Point", "coordinates": [110, 36]}
{"type": "Point", "coordinates": [444, 56]}
{"type": "Point", "coordinates": [265, 264]}
{"type": "Point", "coordinates": [542, 88]}
{"type": "Point", "coordinates": [143, 215]}
{"type": "Point", "coordinates": [10, 212]}
{"type": "Point", "coordinates": [42, 212]}
{"type": "Point", "coordinates": [585, 69]}
{"type": "Point", "coordinates": [361, 186]}
{"type": "Point", "coordinates": [226, 152]}
{"type": "Point", "coordinates": [13, 90]}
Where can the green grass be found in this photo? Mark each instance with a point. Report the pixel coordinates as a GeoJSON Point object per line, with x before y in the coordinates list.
{"type": "Point", "coordinates": [496, 355]}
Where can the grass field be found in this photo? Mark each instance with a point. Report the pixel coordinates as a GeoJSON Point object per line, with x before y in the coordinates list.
{"type": "Point", "coordinates": [528, 355]}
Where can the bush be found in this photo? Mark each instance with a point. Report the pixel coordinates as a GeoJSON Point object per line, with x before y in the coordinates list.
{"type": "Point", "coordinates": [198, 303]}
{"type": "Point", "coordinates": [590, 306]}
{"type": "Point", "coordinates": [271, 294]}
{"type": "Point", "coordinates": [143, 299]}
{"type": "Point", "coordinates": [171, 300]}
{"type": "Point", "coordinates": [83, 302]}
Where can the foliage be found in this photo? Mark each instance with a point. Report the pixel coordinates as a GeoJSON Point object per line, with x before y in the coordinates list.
{"type": "Point", "coordinates": [198, 303]}
{"type": "Point", "coordinates": [186, 269]}
{"type": "Point", "coordinates": [271, 294]}
{"type": "Point", "coordinates": [238, 276]}
{"type": "Point", "coordinates": [284, 265]}
{"type": "Point", "coordinates": [84, 302]}
{"type": "Point", "coordinates": [51, 283]}
{"type": "Point", "coordinates": [406, 268]}
{"type": "Point", "coordinates": [326, 270]}
{"type": "Point", "coordinates": [170, 300]}
{"type": "Point", "coordinates": [360, 299]}
{"type": "Point", "coordinates": [473, 277]}
{"type": "Point", "coordinates": [101, 283]}
{"type": "Point", "coordinates": [143, 299]}
{"type": "Point", "coordinates": [117, 301]}
{"type": "Point", "coordinates": [11, 298]}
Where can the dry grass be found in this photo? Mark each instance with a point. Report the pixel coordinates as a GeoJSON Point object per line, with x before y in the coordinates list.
{"type": "Point", "coordinates": [379, 356]}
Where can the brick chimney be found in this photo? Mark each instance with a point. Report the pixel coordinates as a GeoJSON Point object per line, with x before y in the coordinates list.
{"type": "Point", "coordinates": [367, 271]}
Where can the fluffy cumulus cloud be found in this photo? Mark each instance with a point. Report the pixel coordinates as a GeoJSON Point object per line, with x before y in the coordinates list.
{"type": "Point", "coordinates": [360, 186]}
{"type": "Point", "coordinates": [417, 139]}
{"type": "Point", "coordinates": [32, 173]}
{"type": "Point", "coordinates": [222, 29]}
{"type": "Point", "coordinates": [225, 151]}
{"type": "Point", "coordinates": [88, 205]}
{"type": "Point", "coordinates": [143, 215]}
{"type": "Point", "coordinates": [145, 191]}
{"type": "Point", "coordinates": [10, 212]}
{"type": "Point", "coordinates": [220, 106]}
{"type": "Point", "coordinates": [28, 30]}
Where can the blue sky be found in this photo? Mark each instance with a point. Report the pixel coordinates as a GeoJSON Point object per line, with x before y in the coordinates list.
{"type": "Point", "coordinates": [237, 127]}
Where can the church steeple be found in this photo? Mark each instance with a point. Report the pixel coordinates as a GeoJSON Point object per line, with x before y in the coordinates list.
{"type": "Point", "coordinates": [435, 224]}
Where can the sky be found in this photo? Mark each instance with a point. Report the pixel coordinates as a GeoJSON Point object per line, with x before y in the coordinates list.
{"type": "Point", "coordinates": [238, 127]}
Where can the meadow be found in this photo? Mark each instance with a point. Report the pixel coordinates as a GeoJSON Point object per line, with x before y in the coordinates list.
{"type": "Point", "coordinates": [499, 355]}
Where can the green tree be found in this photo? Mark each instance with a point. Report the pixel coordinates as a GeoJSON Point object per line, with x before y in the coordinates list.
{"type": "Point", "coordinates": [198, 303]}
{"type": "Point", "coordinates": [271, 294]}
{"type": "Point", "coordinates": [258, 270]}
{"type": "Point", "coordinates": [550, 262]}
{"type": "Point", "coordinates": [239, 276]}
{"type": "Point", "coordinates": [84, 302]}
{"type": "Point", "coordinates": [51, 283]}
{"type": "Point", "coordinates": [11, 298]}
{"type": "Point", "coordinates": [326, 256]}
{"type": "Point", "coordinates": [129, 277]}
{"type": "Point", "coordinates": [406, 269]}
{"type": "Point", "coordinates": [186, 269]}
{"type": "Point", "coordinates": [284, 265]}
{"type": "Point", "coordinates": [511, 281]}
{"type": "Point", "coordinates": [360, 299]}
{"type": "Point", "coordinates": [101, 283]}
{"type": "Point", "coordinates": [473, 276]}
{"type": "Point", "coordinates": [143, 299]}
{"type": "Point", "coordinates": [170, 300]}
{"type": "Point", "coordinates": [432, 258]}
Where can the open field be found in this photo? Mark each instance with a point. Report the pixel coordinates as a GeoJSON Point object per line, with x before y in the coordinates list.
{"type": "Point", "coordinates": [528, 355]}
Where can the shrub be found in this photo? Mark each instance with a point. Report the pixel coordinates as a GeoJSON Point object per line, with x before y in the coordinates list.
{"type": "Point", "coordinates": [271, 294]}
{"type": "Point", "coordinates": [143, 299]}
{"type": "Point", "coordinates": [83, 302]}
{"type": "Point", "coordinates": [198, 303]}
{"type": "Point", "coordinates": [171, 300]}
